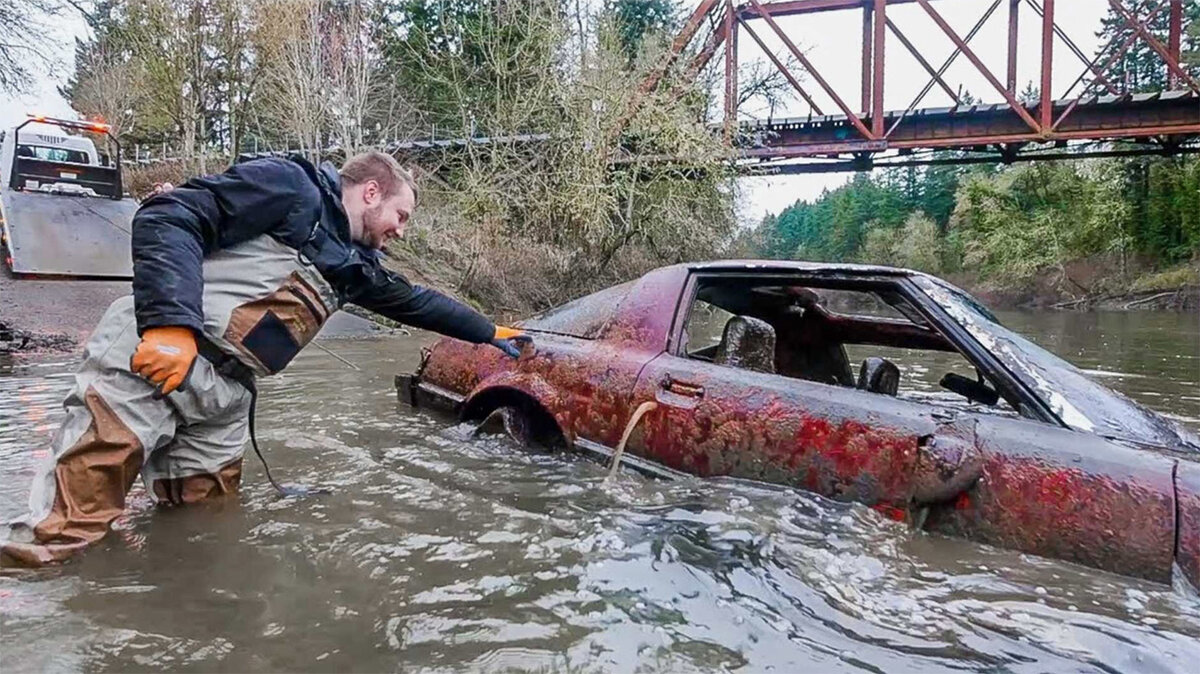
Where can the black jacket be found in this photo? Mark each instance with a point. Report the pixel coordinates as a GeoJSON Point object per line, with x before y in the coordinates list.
{"type": "Point", "coordinates": [300, 206]}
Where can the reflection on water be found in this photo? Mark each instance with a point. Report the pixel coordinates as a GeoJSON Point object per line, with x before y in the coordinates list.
{"type": "Point", "coordinates": [434, 553]}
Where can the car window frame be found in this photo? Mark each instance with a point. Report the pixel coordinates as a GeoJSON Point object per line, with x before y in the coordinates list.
{"type": "Point", "coordinates": [1029, 406]}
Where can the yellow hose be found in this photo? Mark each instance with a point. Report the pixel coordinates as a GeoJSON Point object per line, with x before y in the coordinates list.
{"type": "Point", "coordinates": [641, 411]}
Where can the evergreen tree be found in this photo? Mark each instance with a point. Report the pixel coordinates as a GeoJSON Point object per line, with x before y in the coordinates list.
{"type": "Point", "coordinates": [636, 19]}
{"type": "Point", "coordinates": [1141, 69]}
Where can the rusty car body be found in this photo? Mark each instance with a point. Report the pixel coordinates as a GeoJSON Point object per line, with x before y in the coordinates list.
{"type": "Point", "coordinates": [1023, 451]}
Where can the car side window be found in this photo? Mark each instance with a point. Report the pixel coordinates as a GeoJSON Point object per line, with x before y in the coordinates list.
{"type": "Point", "coordinates": [870, 338]}
{"type": "Point", "coordinates": [703, 330]}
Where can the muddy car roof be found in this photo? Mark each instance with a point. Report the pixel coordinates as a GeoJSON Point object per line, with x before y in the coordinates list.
{"type": "Point", "coordinates": [796, 265]}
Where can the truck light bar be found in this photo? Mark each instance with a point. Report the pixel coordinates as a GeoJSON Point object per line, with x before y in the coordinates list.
{"type": "Point", "coordinates": [98, 127]}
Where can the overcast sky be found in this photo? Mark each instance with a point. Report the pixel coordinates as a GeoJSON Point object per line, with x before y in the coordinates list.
{"type": "Point", "coordinates": [832, 41]}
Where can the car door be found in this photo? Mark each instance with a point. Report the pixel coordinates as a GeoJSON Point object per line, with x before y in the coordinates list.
{"type": "Point", "coordinates": [841, 443]}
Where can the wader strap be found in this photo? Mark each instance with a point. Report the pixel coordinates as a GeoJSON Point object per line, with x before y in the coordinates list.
{"type": "Point", "coordinates": [238, 371]}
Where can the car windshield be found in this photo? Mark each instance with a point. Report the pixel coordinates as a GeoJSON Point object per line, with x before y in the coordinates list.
{"type": "Point", "coordinates": [1079, 402]}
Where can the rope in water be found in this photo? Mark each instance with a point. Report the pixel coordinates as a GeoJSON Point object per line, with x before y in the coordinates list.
{"type": "Point", "coordinates": [640, 412]}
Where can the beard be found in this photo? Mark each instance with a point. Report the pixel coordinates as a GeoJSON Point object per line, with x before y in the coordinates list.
{"type": "Point", "coordinates": [371, 226]}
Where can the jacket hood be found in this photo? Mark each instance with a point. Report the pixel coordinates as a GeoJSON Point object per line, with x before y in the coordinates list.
{"type": "Point", "coordinates": [329, 181]}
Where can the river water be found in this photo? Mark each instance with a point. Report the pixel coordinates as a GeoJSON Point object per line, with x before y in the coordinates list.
{"type": "Point", "coordinates": [436, 552]}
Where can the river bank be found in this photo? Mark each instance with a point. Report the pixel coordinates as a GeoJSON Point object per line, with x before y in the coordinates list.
{"type": "Point", "coordinates": [1090, 285]}
{"type": "Point", "coordinates": [56, 316]}
{"type": "Point", "coordinates": [1181, 299]}
{"type": "Point", "coordinates": [39, 316]}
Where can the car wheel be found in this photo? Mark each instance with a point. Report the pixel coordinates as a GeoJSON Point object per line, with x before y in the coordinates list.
{"type": "Point", "coordinates": [533, 429]}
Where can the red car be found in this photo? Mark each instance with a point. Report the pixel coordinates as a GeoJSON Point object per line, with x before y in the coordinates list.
{"type": "Point", "coordinates": [791, 373]}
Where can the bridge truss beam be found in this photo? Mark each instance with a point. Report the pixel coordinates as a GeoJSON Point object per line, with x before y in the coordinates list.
{"type": "Point", "coordinates": [1162, 122]}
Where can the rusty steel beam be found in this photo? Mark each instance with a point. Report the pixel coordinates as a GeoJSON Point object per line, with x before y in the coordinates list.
{"type": "Point", "coordinates": [1092, 68]}
{"type": "Point", "coordinates": [1014, 7]}
{"type": "Point", "coordinates": [877, 86]}
{"type": "Point", "coordinates": [921, 59]}
{"type": "Point", "coordinates": [867, 27]}
{"type": "Point", "coordinates": [858, 124]}
{"type": "Point", "coordinates": [1088, 63]}
{"type": "Point", "coordinates": [1047, 94]}
{"type": "Point", "coordinates": [680, 43]}
{"type": "Point", "coordinates": [1173, 64]}
{"type": "Point", "coordinates": [983, 69]}
{"type": "Point", "coordinates": [794, 7]}
{"type": "Point", "coordinates": [701, 59]}
{"type": "Point", "coordinates": [731, 87]}
{"type": "Point", "coordinates": [899, 162]}
{"type": "Point", "coordinates": [1174, 41]}
{"type": "Point", "coordinates": [946, 64]}
{"type": "Point", "coordinates": [830, 150]}
{"type": "Point", "coordinates": [1119, 51]}
{"type": "Point", "coordinates": [782, 68]}
{"type": "Point", "coordinates": [1178, 116]}
{"type": "Point", "coordinates": [715, 39]}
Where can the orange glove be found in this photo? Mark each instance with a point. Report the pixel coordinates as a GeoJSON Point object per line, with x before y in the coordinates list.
{"type": "Point", "coordinates": [507, 333]}
{"type": "Point", "coordinates": [506, 339]}
{"type": "Point", "coordinates": [165, 356]}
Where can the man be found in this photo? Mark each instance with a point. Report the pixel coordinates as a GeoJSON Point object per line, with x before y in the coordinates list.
{"type": "Point", "coordinates": [232, 275]}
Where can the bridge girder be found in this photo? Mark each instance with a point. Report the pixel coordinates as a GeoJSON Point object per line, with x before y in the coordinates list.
{"type": "Point", "coordinates": [1162, 121]}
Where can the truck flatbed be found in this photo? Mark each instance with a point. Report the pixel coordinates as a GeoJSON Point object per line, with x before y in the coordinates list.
{"type": "Point", "coordinates": [65, 235]}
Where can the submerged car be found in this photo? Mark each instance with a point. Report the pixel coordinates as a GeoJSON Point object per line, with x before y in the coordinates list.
{"type": "Point", "coordinates": [819, 376]}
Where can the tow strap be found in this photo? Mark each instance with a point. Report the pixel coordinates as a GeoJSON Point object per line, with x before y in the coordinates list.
{"type": "Point", "coordinates": [231, 367]}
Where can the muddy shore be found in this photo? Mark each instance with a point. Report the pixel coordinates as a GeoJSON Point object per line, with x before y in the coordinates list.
{"type": "Point", "coordinates": [40, 316]}
{"type": "Point", "coordinates": [1185, 298]}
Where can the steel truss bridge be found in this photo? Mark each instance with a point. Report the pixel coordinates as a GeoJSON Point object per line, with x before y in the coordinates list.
{"type": "Point", "coordinates": [1103, 118]}
{"type": "Point", "coordinates": [1096, 116]}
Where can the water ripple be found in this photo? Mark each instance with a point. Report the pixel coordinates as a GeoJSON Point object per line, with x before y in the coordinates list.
{"type": "Point", "coordinates": [436, 552]}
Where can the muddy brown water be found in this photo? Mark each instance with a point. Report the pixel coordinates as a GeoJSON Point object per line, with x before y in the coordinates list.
{"type": "Point", "coordinates": [440, 553]}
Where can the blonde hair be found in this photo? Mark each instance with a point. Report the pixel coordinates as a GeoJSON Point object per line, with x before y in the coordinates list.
{"type": "Point", "coordinates": [380, 167]}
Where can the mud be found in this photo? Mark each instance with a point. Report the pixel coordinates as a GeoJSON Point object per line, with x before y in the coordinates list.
{"type": "Point", "coordinates": [52, 315]}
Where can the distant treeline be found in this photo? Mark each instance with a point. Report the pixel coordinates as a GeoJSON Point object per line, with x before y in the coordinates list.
{"type": "Point", "coordinates": [1004, 226]}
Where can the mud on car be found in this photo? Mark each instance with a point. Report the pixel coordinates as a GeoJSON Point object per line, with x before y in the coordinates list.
{"type": "Point", "coordinates": [804, 375]}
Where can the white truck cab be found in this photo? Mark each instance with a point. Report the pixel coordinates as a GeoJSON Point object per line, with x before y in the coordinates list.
{"type": "Point", "coordinates": [50, 144]}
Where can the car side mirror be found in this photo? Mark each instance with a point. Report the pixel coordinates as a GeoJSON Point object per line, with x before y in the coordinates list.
{"type": "Point", "coordinates": [970, 389]}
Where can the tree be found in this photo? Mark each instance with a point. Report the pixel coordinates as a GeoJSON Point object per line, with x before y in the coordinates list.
{"type": "Point", "coordinates": [1191, 55]}
{"type": "Point", "coordinates": [23, 30]}
{"type": "Point", "coordinates": [237, 72]}
{"type": "Point", "coordinates": [107, 83]}
{"type": "Point", "coordinates": [878, 245]}
{"type": "Point", "coordinates": [634, 20]}
{"type": "Point", "coordinates": [918, 245]}
{"type": "Point", "coordinates": [296, 99]}
{"type": "Point", "coordinates": [1140, 68]}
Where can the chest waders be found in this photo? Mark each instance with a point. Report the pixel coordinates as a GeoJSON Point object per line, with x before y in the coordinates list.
{"type": "Point", "coordinates": [262, 304]}
{"type": "Point", "coordinates": [228, 366]}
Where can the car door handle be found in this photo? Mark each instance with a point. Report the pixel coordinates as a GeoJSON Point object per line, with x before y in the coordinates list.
{"type": "Point", "coordinates": [682, 388]}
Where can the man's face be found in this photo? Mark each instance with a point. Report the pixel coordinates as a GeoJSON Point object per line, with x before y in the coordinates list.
{"type": "Point", "coordinates": [380, 219]}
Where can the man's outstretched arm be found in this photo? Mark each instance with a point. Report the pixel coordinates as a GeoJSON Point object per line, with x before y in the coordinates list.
{"type": "Point", "coordinates": [391, 295]}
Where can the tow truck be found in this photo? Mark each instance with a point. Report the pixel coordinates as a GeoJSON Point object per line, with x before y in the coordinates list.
{"type": "Point", "coordinates": [63, 207]}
